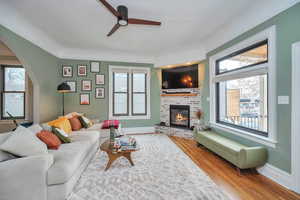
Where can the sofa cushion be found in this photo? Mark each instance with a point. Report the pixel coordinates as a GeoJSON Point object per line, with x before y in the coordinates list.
{"type": "Point", "coordinates": [23, 142]}
{"type": "Point", "coordinates": [75, 123]}
{"type": "Point", "coordinates": [49, 139]}
{"type": "Point", "coordinates": [62, 123]}
{"type": "Point", "coordinates": [36, 128]}
{"type": "Point", "coordinates": [69, 156]}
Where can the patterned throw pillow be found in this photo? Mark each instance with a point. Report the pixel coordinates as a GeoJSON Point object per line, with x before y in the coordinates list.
{"type": "Point", "coordinates": [64, 138]}
{"type": "Point", "coordinates": [75, 123]}
{"type": "Point", "coordinates": [61, 123]}
{"type": "Point", "coordinates": [86, 123]}
{"type": "Point", "coordinates": [49, 139]}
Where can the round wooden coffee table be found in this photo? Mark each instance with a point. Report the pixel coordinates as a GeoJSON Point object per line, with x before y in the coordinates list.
{"type": "Point", "coordinates": [113, 155]}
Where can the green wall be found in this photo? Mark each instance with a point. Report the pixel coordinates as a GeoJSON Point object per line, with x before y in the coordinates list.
{"type": "Point", "coordinates": [98, 108]}
{"type": "Point", "coordinates": [288, 32]}
{"type": "Point", "coordinates": [42, 69]}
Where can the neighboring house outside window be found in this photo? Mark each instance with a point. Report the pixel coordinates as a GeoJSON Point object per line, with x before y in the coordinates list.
{"type": "Point", "coordinates": [129, 92]}
{"type": "Point", "coordinates": [243, 88]}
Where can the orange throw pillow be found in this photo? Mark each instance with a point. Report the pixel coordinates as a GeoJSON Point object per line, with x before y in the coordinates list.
{"type": "Point", "coordinates": [75, 123]}
{"type": "Point", "coordinates": [61, 123]}
{"type": "Point", "coordinates": [49, 139]}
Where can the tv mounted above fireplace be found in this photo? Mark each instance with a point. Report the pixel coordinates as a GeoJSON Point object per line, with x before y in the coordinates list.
{"type": "Point", "coordinates": [180, 77]}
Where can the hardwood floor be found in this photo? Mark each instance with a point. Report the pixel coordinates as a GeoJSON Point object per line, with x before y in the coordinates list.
{"type": "Point", "coordinates": [248, 186]}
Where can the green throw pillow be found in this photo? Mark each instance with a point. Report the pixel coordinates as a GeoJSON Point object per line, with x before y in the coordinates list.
{"type": "Point", "coordinates": [85, 122]}
{"type": "Point", "coordinates": [64, 138]}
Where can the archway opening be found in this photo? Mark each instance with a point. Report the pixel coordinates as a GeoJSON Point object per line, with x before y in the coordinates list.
{"type": "Point", "coordinates": [17, 91]}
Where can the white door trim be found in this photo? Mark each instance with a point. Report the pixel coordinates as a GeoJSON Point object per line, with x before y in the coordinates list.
{"type": "Point", "coordinates": [295, 137]}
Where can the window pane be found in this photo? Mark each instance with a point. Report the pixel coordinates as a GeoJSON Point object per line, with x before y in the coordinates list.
{"type": "Point", "coordinates": [14, 104]}
{"type": "Point", "coordinates": [139, 82]}
{"type": "Point", "coordinates": [120, 103]}
{"type": "Point", "coordinates": [139, 103]}
{"type": "Point", "coordinates": [244, 102]}
{"type": "Point", "coordinates": [120, 82]}
{"type": "Point", "coordinates": [14, 79]}
{"type": "Point", "coordinates": [249, 57]}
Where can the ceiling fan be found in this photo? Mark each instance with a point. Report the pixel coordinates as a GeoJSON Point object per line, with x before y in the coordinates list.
{"type": "Point", "coordinates": [122, 15]}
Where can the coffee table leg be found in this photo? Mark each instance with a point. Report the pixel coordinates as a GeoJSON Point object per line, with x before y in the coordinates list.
{"type": "Point", "coordinates": [112, 158]}
{"type": "Point", "coordinates": [128, 156]}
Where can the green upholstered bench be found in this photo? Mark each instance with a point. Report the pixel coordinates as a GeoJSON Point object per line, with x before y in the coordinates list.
{"type": "Point", "coordinates": [241, 156]}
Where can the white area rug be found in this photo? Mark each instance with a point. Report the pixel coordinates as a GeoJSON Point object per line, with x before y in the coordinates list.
{"type": "Point", "coordinates": [161, 172]}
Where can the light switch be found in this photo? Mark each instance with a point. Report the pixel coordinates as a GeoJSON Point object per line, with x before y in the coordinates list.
{"type": "Point", "coordinates": [283, 100]}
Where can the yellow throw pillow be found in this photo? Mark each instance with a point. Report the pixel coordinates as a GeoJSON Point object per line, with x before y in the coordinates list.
{"type": "Point", "coordinates": [62, 123]}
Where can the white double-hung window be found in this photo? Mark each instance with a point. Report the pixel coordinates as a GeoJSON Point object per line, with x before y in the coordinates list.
{"type": "Point", "coordinates": [243, 88]}
{"type": "Point", "coordinates": [129, 92]}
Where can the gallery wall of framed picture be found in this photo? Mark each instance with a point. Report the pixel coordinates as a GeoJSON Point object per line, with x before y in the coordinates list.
{"type": "Point", "coordinates": [83, 77]}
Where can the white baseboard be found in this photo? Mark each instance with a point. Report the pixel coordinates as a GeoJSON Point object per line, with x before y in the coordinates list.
{"type": "Point", "coordinates": [279, 176]}
{"type": "Point", "coordinates": [138, 130]}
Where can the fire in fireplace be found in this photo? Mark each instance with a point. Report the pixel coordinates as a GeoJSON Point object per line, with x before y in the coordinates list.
{"type": "Point", "coordinates": [180, 116]}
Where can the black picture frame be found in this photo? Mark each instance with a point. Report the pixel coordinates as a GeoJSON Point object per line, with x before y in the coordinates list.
{"type": "Point", "coordinates": [82, 86]}
{"type": "Point", "coordinates": [91, 67]}
{"type": "Point", "coordinates": [71, 87]}
{"type": "Point", "coordinates": [89, 99]}
{"type": "Point", "coordinates": [98, 75]}
{"type": "Point", "coordinates": [81, 65]}
{"type": "Point", "coordinates": [103, 92]}
{"type": "Point", "coordinates": [63, 71]}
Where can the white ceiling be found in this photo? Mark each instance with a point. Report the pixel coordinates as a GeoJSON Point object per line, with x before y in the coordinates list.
{"type": "Point", "coordinates": [78, 28]}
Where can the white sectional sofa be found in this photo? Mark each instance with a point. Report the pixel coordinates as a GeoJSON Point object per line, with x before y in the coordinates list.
{"type": "Point", "coordinates": [49, 176]}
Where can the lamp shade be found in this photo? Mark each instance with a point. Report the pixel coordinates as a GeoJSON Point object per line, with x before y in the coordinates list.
{"type": "Point", "coordinates": [63, 87]}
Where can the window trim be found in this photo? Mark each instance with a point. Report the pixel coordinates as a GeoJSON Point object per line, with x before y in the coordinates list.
{"type": "Point", "coordinates": [254, 46]}
{"type": "Point", "coordinates": [114, 92]}
{"type": "Point", "coordinates": [130, 116]}
{"type": "Point", "coordinates": [132, 94]}
{"type": "Point", "coordinates": [267, 34]}
{"type": "Point", "coordinates": [7, 92]}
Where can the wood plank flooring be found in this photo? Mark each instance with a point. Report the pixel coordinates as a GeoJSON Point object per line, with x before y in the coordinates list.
{"type": "Point", "coordinates": [248, 186]}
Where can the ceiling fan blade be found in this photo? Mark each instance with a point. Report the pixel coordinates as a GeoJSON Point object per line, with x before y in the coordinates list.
{"type": "Point", "coordinates": [143, 22]}
{"type": "Point", "coordinates": [110, 8]}
{"type": "Point", "coordinates": [113, 29]}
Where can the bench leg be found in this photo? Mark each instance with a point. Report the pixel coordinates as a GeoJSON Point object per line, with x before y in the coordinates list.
{"type": "Point", "coordinates": [238, 171]}
{"type": "Point", "coordinates": [198, 144]}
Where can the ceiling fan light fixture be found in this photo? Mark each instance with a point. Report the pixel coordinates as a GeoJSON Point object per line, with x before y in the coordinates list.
{"type": "Point", "coordinates": [123, 18]}
{"type": "Point", "coordinates": [123, 22]}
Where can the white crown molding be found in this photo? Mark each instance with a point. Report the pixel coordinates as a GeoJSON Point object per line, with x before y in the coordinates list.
{"type": "Point", "coordinates": [255, 15]}
{"type": "Point", "coordinates": [106, 55]}
{"type": "Point", "coordinates": [279, 176]}
{"type": "Point", "coordinates": [16, 23]}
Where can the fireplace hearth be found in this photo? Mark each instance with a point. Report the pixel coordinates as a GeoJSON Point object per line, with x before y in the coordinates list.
{"type": "Point", "coordinates": [180, 116]}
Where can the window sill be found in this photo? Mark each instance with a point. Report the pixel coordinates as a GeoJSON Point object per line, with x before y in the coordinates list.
{"type": "Point", "coordinates": [129, 117]}
{"type": "Point", "coordinates": [244, 134]}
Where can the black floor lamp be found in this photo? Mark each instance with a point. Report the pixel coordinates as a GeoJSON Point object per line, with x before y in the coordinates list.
{"type": "Point", "coordinates": [63, 88]}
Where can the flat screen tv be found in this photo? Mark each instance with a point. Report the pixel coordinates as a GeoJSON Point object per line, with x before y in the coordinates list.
{"type": "Point", "coordinates": [180, 77]}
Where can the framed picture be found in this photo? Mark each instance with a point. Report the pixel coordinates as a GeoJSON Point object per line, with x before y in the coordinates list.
{"type": "Point", "coordinates": [81, 70]}
{"type": "Point", "coordinates": [84, 99]}
{"type": "Point", "coordinates": [72, 85]}
{"type": "Point", "coordinates": [100, 79]}
{"type": "Point", "coordinates": [100, 93]}
{"type": "Point", "coordinates": [67, 71]}
{"type": "Point", "coordinates": [86, 85]}
{"type": "Point", "coordinates": [95, 66]}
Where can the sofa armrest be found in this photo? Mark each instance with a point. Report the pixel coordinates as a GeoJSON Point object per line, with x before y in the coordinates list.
{"type": "Point", "coordinates": [25, 178]}
{"type": "Point", "coordinates": [251, 157]}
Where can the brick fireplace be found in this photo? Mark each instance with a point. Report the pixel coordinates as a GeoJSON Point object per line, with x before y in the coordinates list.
{"type": "Point", "coordinates": [191, 100]}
